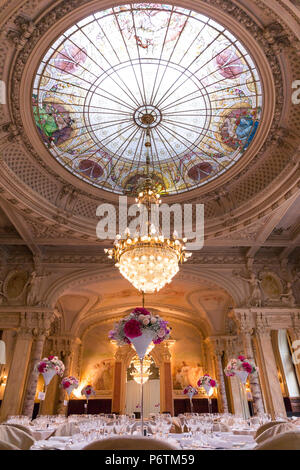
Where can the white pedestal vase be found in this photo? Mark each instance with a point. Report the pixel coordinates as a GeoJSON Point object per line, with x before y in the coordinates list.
{"type": "Point", "coordinates": [86, 406]}
{"type": "Point", "coordinates": [242, 375]}
{"type": "Point", "coordinates": [48, 376]}
{"type": "Point", "coordinates": [69, 390]}
{"type": "Point", "coordinates": [191, 402]}
{"type": "Point", "coordinates": [209, 392]}
{"type": "Point", "coordinates": [242, 379]}
{"type": "Point", "coordinates": [141, 344]}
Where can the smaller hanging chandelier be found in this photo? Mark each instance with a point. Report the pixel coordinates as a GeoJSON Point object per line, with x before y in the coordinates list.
{"type": "Point", "coordinates": [138, 374]}
{"type": "Point", "coordinates": [148, 261]}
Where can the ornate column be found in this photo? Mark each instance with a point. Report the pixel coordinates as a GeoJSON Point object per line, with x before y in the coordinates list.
{"type": "Point", "coordinates": [216, 350]}
{"type": "Point", "coordinates": [12, 400]}
{"type": "Point", "coordinates": [39, 335]}
{"type": "Point", "coordinates": [234, 405]}
{"type": "Point", "coordinates": [65, 346]}
{"type": "Point", "coordinates": [36, 354]}
{"type": "Point", "coordinates": [245, 321]}
{"type": "Point", "coordinates": [295, 346]}
{"type": "Point", "coordinates": [273, 399]}
{"type": "Point", "coordinates": [166, 383]}
{"type": "Point", "coordinates": [119, 380]}
{"type": "Point", "coordinates": [258, 405]}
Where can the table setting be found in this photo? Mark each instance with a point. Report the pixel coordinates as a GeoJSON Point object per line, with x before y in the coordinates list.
{"type": "Point", "coordinates": [197, 432]}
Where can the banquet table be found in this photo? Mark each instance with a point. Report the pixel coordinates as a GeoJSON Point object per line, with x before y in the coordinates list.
{"type": "Point", "coordinates": [219, 441]}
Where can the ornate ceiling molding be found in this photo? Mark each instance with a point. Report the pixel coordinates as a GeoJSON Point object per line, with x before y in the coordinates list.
{"type": "Point", "coordinates": [227, 207]}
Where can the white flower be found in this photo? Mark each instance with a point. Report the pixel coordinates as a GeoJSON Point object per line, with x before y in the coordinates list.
{"type": "Point", "coordinates": [153, 320]}
{"type": "Point", "coordinates": [146, 321]}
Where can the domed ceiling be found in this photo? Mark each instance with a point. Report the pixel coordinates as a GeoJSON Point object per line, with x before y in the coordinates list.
{"type": "Point", "coordinates": [117, 72]}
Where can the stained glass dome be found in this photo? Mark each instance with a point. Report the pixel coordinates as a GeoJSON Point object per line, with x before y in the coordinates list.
{"type": "Point", "coordinates": [121, 70]}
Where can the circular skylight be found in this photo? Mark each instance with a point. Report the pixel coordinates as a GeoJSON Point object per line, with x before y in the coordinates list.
{"type": "Point", "coordinates": [118, 72]}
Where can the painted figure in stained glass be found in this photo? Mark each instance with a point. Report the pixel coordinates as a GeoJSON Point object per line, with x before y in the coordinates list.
{"type": "Point", "coordinates": [53, 121]}
{"type": "Point", "coordinates": [149, 27]}
{"type": "Point", "coordinates": [70, 58]}
{"type": "Point", "coordinates": [228, 63]}
{"type": "Point", "coordinates": [239, 127]}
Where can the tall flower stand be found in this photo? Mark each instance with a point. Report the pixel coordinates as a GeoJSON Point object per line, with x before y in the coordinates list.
{"type": "Point", "coordinates": [66, 403]}
{"type": "Point", "coordinates": [242, 379]}
{"type": "Point", "coordinates": [86, 406]}
{"type": "Point", "coordinates": [209, 392]}
{"type": "Point", "coordinates": [41, 397]}
{"type": "Point", "coordinates": [47, 376]}
{"type": "Point", "coordinates": [141, 344]}
{"type": "Point", "coordinates": [191, 402]}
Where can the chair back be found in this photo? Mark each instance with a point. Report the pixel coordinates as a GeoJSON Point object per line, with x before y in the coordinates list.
{"type": "Point", "coordinates": [6, 446]}
{"type": "Point", "coordinates": [22, 427]}
{"type": "Point", "coordinates": [16, 437]}
{"type": "Point", "coordinates": [266, 426]}
{"type": "Point", "coordinates": [274, 431]}
{"type": "Point", "coordinates": [286, 441]}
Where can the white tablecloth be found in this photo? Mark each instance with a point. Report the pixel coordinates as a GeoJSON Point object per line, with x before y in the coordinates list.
{"type": "Point", "coordinates": [218, 441]}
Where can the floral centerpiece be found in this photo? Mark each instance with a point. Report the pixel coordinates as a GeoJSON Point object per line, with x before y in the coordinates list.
{"type": "Point", "coordinates": [240, 367]}
{"type": "Point", "coordinates": [207, 382]}
{"type": "Point", "coordinates": [69, 384]}
{"type": "Point", "coordinates": [190, 391]}
{"type": "Point", "coordinates": [140, 327]}
{"type": "Point", "coordinates": [88, 391]}
{"type": "Point", "coordinates": [49, 367]}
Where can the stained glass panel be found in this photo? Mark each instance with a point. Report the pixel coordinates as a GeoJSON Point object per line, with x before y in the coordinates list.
{"type": "Point", "coordinates": [100, 79]}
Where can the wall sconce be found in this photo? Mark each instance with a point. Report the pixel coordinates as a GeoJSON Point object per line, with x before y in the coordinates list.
{"type": "Point", "coordinates": [3, 380]}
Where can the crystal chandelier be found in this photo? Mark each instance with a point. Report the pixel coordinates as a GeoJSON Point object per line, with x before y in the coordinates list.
{"type": "Point", "coordinates": [148, 261]}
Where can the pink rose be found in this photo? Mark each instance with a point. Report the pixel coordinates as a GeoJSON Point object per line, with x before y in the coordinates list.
{"type": "Point", "coordinates": [146, 321]}
{"type": "Point", "coordinates": [153, 319]}
{"type": "Point", "coordinates": [42, 367]}
{"type": "Point", "coordinates": [67, 384]}
{"type": "Point", "coordinates": [206, 375]}
{"type": "Point", "coordinates": [199, 383]}
{"type": "Point", "coordinates": [241, 358]}
{"type": "Point", "coordinates": [132, 329]}
{"type": "Point", "coordinates": [88, 392]}
{"type": "Point", "coordinates": [50, 358]}
{"type": "Point", "coordinates": [141, 310]}
{"type": "Point", "coordinates": [247, 367]}
{"type": "Point", "coordinates": [213, 383]}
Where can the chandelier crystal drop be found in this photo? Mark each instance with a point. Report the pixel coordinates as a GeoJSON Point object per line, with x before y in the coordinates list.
{"type": "Point", "coordinates": [148, 261]}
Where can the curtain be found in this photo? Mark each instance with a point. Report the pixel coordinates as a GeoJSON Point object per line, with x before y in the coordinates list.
{"type": "Point", "coordinates": [151, 397]}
